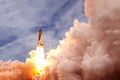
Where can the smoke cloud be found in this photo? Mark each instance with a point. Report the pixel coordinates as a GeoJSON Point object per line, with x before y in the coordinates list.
{"type": "Point", "coordinates": [90, 51]}
{"type": "Point", "coordinates": [15, 70]}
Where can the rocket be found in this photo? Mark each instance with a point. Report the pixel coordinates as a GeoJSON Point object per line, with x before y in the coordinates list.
{"type": "Point", "coordinates": [40, 47]}
{"type": "Point", "coordinates": [40, 42]}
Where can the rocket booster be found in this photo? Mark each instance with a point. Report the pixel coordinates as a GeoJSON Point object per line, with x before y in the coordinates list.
{"type": "Point", "coordinates": [40, 43]}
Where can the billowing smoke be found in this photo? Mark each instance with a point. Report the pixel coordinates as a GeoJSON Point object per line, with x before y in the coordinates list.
{"type": "Point", "coordinates": [15, 70]}
{"type": "Point", "coordinates": [90, 51]}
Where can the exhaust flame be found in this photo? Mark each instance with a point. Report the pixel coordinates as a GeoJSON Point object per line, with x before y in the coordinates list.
{"type": "Point", "coordinates": [41, 65]}
{"type": "Point", "coordinates": [38, 59]}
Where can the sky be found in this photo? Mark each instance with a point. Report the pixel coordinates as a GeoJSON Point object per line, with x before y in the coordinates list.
{"type": "Point", "coordinates": [21, 19]}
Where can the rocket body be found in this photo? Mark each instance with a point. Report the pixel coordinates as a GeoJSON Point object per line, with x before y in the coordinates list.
{"type": "Point", "coordinates": [40, 42]}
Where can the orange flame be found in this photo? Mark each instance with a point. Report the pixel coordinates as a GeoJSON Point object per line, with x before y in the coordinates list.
{"type": "Point", "coordinates": [38, 59]}
{"type": "Point", "coordinates": [39, 63]}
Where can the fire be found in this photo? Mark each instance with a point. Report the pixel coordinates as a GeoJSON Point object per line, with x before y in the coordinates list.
{"type": "Point", "coordinates": [40, 64]}
{"type": "Point", "coordinates": [37, 59]}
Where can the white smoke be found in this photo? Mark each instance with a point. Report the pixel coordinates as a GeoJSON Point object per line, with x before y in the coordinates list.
{"type": "Point", "coordinates": [90, 51]}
